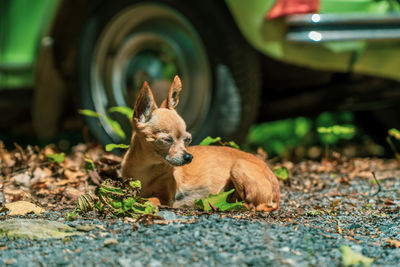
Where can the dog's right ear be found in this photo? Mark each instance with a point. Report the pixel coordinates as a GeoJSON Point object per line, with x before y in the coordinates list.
{"type": "Point", "coordinates": [145, 104]}
{"type": "Point", "coordinates": [173, 95]}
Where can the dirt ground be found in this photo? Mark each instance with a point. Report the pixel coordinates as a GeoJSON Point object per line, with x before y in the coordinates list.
{"type": "Point", "coordinates": [356, 200]}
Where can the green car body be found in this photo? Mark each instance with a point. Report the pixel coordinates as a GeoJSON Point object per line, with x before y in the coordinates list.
{"type": "Point", "coordinates": [98, 52]}
{"type": "Point", "coordinates": [24, 25]}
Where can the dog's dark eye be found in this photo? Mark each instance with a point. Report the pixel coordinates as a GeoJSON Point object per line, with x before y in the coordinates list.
{"type": "Point", "coordinates": [168, 140]}
{"type": "Point", "coordinates": [187, 140]}
{"type": "Point", "coordinates": [162, 141]}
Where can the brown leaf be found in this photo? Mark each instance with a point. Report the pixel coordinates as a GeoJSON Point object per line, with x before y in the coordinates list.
{"type": "Point", "coordinates": [73, 176]}
{"type": "Point", "coordinates": [94, 176]}
{"type": "Point", "coordinates": [22, 179]}
{"type": "Point", "coordinates": [72, 193]}
{"type": "Point", "coordinates": [49, 150]}
{"type": "Point", "coordinates": [389, 202]}
{"type": "Point", "coordinates": [23, 208]}
{"type": "Point", "coordinates": [15, 195]}
{"type": "Point", "coordinates": [111, 159]}
{"type": "Point", "coordinates": [6, 158]}
{"type": "Point", "coordinates": [393, 243]}
{"type": "Point", "coordinates": [40, 173]}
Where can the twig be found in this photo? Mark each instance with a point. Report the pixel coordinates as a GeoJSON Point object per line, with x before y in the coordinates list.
{"type": "Point", "coordinates": [377, 182]}
{"type": "Point", "coordinates": [2, 195]}
{"type": "Point", "coordinates": [24, 169]}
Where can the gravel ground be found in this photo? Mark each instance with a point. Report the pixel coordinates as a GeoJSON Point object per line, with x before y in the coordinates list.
{"type": "Point", "coordinates": [308, 230]}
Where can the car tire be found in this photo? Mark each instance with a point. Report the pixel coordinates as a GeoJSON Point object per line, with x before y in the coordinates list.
{"type": "Point", "coordinates": [220, 72]}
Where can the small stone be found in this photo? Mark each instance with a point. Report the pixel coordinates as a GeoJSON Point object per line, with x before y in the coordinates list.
{"type": "Point", "coordinates": [110, 241]}
{"type": "Point", "coordinates": [125, 262]}
{"type": "Point", "coordinates": [196, 234]}
{"type": "Point", "coordinates": [85, 227]}
{"type": "Point", "coordinates": [167, 215]}
{"type": "Point", "coordinates": [155, 263]}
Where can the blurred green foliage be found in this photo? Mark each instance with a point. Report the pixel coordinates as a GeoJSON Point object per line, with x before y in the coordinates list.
{"type": "Point", "coordinates": [210, 140]}
{"type": "Point", "coordinates": [281, 173]}
{"type": "Point", "coordinates": [279, 138]}
{"type": "Point", "coordinates": [115, 125]}
{"type": "Point", "coordinates": [58, 157]}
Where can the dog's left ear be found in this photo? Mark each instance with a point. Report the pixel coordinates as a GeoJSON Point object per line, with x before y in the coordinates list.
{"type": "Point", "coordinates": [145, 104]}
{"type": "Point", "coordinates": [173, 95]}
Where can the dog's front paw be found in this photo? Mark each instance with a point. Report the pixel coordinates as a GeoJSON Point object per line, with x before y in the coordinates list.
{"type": "Point", "coordinates": [155, 201]}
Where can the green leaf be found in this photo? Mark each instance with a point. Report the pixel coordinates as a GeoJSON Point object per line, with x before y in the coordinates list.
{"type": "Point", "coordinates": [281, 173]}
{"type": "Point", "coordinates": [127, 111]}
{"type": "Point", "coordinates": [89, 164]}
{"type": "Point", "coordinates": [116, 127]}
{"type": "Point", "coordinates": [336, 130]}
{"type": "Point", "coordinates": [99, 206]}
{"type": "Point", "coordinates": [349, 257]}
{"type": "Point", "coordinates": [58, 157]}
{"type": "Point", "coordinates": [395, 133]}
{"type": "Point", "coordinates": [209, 140]}
{"type": "Point", "coordinates": [219, 202]}
{"type": "Point", "coordinates": [111, 147]}
{"type": "Point", "coordinates": [106, 189]}
{"type": "Point", "coordinates": [128, 203]}
{"type": "Point", "coordinates": [89, 113]}
{"type": "Point", "coordinates": [136, 184]}
{"type": "Point", "coordinates": [70, 216]}
{"type": "Point", "coordinates": [315, 212]}
{"type": "Point", "coordinates": [116, 204]}
{"type": "Point", "coordinates": [233, 144]}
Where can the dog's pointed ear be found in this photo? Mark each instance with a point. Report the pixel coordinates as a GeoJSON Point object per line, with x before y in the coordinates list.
{"type": "Point", "coordinates": [173, 95]}
{"type": "Point", "coordinates": [145, 104]}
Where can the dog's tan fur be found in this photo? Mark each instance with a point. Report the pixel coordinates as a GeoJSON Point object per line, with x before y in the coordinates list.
{"type": "Point", "coordinates": [159, 157]}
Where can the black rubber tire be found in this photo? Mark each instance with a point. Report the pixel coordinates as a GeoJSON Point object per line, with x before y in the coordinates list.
{"type": "Point", "coordinates": [225, 47]}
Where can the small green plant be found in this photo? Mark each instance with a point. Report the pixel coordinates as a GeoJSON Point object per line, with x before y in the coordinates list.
{"type": "Point", "coordinates": [281, 173]}
{"type": "Point", "coordinates": [332, 134]}
{"type": "Point", "coordinates": [210, 140]}
{"type": "Point", "coordinates": [393, 134]}
{"type": "Point", "coordinates": [115, 197]}
{"type": "Point", "coordinates": [115, 126]}
{"type": "Point", "coordinates": [58, 157]}
{"type": "Point", "coordinates": [89, 164]}
{"type": "Point", "coordinates": [218, 203]}
{"type": "Point", "coordinates": [110, 147]}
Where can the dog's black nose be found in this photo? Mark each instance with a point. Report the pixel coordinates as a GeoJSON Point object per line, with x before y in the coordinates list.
{"type": "Point", "coordinates": [187, 157]}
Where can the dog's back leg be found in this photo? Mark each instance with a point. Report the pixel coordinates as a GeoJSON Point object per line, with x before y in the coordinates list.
{"type": "Point", "coordinates": [256, 185]}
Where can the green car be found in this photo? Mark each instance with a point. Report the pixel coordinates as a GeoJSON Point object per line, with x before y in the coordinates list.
{"type": "Point", "coordinates": [237, 63]}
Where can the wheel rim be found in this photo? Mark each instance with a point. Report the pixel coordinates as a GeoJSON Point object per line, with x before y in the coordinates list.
{"type": "Point", "coordinates": [150, 42]}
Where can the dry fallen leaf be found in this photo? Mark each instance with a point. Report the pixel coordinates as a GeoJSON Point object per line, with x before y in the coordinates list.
{"type": "Point", "coordinates": [393, 243]}
{"type": "Point", "coordinates": [22, 208]}
{"type": "Point", "coordinates": [22, 179]}
{"type": "Point", "coordinates": [73, 175]}
{"type": "Point", "coordinates": [72, 193]}
{"type": "Point", "coordinates": [40, 173]}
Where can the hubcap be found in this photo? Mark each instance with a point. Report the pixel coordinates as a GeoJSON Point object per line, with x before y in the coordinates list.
{"type": "Point", "coordinates": [150, 42]}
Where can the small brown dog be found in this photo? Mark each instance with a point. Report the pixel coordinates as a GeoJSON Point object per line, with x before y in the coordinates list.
{"type": "Point", "coordinates": [174, 174]}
